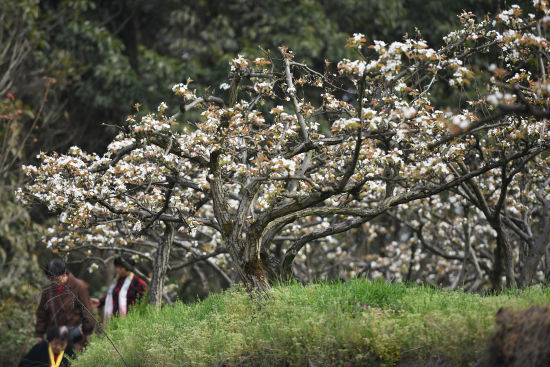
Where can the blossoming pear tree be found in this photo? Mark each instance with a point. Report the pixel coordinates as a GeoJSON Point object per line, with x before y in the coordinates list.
{"type": "Point", "coordinates": [283, 156]}
{"type": "Point", "coordinates": [459, 236]}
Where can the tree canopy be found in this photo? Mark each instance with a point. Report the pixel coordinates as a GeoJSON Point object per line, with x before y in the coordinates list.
{"type": "Point", "coordinates": [283, 154]}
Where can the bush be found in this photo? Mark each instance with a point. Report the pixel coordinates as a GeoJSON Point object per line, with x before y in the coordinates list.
{"type": "Point", "coordinates": [355, 323]}
{"type": "Point", "coordinates": [17, 323]}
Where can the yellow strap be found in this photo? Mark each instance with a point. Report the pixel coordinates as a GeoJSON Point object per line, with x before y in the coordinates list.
{"type": "Point", "coordinates": [52, 359]}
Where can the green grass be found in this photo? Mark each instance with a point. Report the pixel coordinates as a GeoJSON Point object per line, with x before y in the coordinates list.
{"type": "Point", "coordinates": [358, 322]}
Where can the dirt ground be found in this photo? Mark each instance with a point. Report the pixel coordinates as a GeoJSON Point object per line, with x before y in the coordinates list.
{"type": "Point", "coordinates": [522, 338]}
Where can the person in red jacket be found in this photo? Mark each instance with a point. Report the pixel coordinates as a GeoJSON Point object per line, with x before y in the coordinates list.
{"type": "Point", "coordinates": [64, 301]}
{"type": "Point", "coordinates": [125, 290]}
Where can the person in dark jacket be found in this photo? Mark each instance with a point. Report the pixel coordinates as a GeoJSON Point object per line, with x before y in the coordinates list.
{"type": "Point", "coordinates": [125, 290]}
{"type": "Point", "coordinates": [64, 301]}
{"type": "Point", "coordinates": [50, 353]}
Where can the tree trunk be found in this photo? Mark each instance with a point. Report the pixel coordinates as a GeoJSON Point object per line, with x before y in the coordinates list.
{"type": "Point", "coordinates": [467, 249]}
{"type": "Point", "coordinates": [504, 260]}
{"type": "Point", "coordinates": [508, 260]}
{"type": "Point", "coordinates": [530, 266]}
{"type": "Point", "coordinates": [496, 274]}
{"type": "Point", "coordinates": [249, 265]}
{"type": "Point", "coordinates": [254, 277]}
{"type": "Point", "coordinates": [286, 266]}
{"type": "Point", "coordinates": [160, 266]}
{"type": "Point", "coordinates": [536, 250]}
{"type": "Point", "coordinates": [271, 265]}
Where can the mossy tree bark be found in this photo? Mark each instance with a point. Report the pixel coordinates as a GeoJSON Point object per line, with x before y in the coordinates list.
{"type": "Point", "coordinates": [536, 247]}
{"type": "Point", "coordinates": [160, 266]}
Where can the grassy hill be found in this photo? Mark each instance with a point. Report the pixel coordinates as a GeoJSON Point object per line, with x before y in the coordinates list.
{"type": "Point", "coordinates": [328, 324]}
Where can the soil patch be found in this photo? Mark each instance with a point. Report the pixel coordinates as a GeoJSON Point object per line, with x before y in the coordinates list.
{"type": "Point", "coordinates": [522, 338]}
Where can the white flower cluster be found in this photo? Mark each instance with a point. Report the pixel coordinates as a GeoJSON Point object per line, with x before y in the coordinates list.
{"type": "Point", "coordinates": [331, 103]}
{"type": "Point", "coordinates": [239, 63]}
{"type": "Point", "coordinates": [356, 40]}
{"type": "Point", "coordinates": [510, 17]}
{"type": "Point", "coordinates": [461, 121]}
{"type": "Point", "coordinates": [345, 124]}
{"type": "Point", "coordinates": [120, 143]}
{"type": "Point", "coordinates": [282, 167]}
{"type": "Point", "coordinates": [461, 73]}
{"type": "Point", "coordinates": [162, 107]}
{"type": "Point", "coordinates": [356, 67]}
{"type": "Point", "coordinates": [264, 88]}
{"type": "Point", "coordinates": [181, 89]}
{"type": "Point", "coordinates": [498, 97]}
{"type": "Point", "coordinates": [150, 123]}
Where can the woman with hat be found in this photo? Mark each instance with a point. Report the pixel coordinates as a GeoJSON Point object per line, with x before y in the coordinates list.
{"type": "Point", "coordinates": [125, 290]}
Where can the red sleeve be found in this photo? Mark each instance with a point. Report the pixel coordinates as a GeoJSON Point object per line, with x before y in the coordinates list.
{"type": "Point", "coordinates": [141, 287]}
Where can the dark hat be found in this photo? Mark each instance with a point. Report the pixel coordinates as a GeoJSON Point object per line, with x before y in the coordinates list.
{"type": "Point", "coordinates": [125, 260]}
{"type": "Point", "coordinates": [56, 267]}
